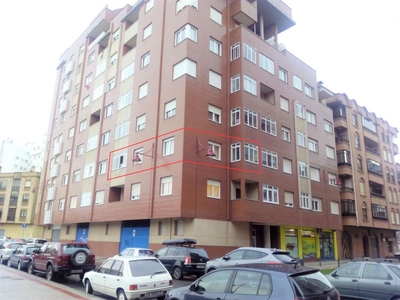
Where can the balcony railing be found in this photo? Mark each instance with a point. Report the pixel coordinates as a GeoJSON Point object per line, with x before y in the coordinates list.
{"type": "Point", "coordinates": [51, 192]}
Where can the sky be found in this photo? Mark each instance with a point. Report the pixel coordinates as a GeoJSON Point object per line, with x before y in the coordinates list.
{"type": "Point", "coordinates": [354, 45]}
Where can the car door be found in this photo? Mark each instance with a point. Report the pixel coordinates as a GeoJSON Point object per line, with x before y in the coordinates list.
{"type": "Point", "coordinates": [14, 256]}
{"type": "Point", "coordinates": [113, 280]}
{"type": "Point", "coordinates": [346, 279]}
{"type": "Point", "coordinates": [211, 286]}
{"type": "Point", "coordinates": [98, 278]}
{"type": "Point", "coordinates": [166, 256]}
{"type": "Point", "coordinates": [250, 285]}
{"type": "Point", "coordinates": [40, 258]}
{"type": "Point", "coordinates": [375, 282]}
{"type": "Point", "coordinates": [233, 258]}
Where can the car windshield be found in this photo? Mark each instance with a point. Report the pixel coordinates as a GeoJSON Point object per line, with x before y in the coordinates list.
{"type": "Point", "coordinates": [14, 246]}
{"type": "Point", "coordinates": [70, 249]}
{"type": "Point", "coordinates": [29, 250]}
{"type": "Point", "coordinates": [146, 267]}
{"type": "Point", "coordinates": [311, 284]}
{"type": "Point", "coordinates": [395, 269]}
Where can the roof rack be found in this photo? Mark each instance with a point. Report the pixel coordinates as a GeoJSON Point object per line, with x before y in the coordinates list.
{"type": "Point", "coordinates": [180, 242]}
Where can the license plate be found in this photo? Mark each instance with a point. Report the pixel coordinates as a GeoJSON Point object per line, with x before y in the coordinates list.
{"type": "Point", "coordinates": [76, 271]}
{"type": "Point", "coordinates": [200, 267]}
{"type": "Point", "coordinates": [154, 294]}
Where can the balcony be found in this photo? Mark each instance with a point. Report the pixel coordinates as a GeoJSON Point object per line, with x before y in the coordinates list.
{"type": "Point", "coordinates": [348, 208]}
{"type": "Point", "coordinates": [63, 106]}
{"type": "Point", "coordinates": [57, 149]}
{"type": "Point", "coordinates": [244, 12]}
{"type": "Point", "coordinates": [69, 67]}
{"type": "Point", "coordinates": [97, 39]}
{"type": "Point", "coordinates": [54, 171]}
{"type": "Point", "coordinates": [47, 216]}
{"type": "Point", "coordinates": [51, 193]}
{"type": "Point", "coordinates": [66, 86]}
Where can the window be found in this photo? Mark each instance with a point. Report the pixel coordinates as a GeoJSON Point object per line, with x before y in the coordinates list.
{"type": "Point", "coordinates": [86, 199]}
{"type": "Point", "coordinates": [328, 126]}
{"type": "Point", "coordinates": [235, 51]}
{"type": "Point", "coordinates": [216, 148]}
{"type": "Point", "coordinates": [128, 71]}
{"type": "Point", "coordinates": [168, 146]}
{"type": "Point", "coordinates": [297, 83]}
{"type": "Point", "coordinates": [250, 85]}
{"type": "Point", "coordinates": [122, 130]}
{"type": "Point", "coordinates": [181, 4]}
{"type": "Point", "coordinates": [289, 199]}
{"type": "Point", "coordinates": [269, 159]}
{"type": "Point", "coordinates": [68, 155]}
{"type": "Point", "coordinates": [357, 142]}
{"type": "Point", "coordinates": [61, 204]}
{"type": "Point", "coordinates": [92, 143]}
{"type": "Point", "coordinates": [186, 32]}
{"type": "Point", "coordinates": [23, 213]}
{"type": "Point", "coordinates": [304, 201]}
{"type": "Point", "coordinates": [215, 79]}
{"type": "Point", "coordinates": [101, 68]}
{"type": "Point", "coordinates": [124, 100]}
{"type": "Point", "coordinates": [215, 15]}
{"type": "Point", "coordinates": [143, 89]}
{"type": "Point", "coordinates": [213, 189]}
{"type": "Point", "coordinates": [300, 110]}
{"type": "Point", "coordinates": [79, 150]}
{"type": "Point", "coordinates": [303, 169]}
{"type": "Point", "coordinates": [215, 46]}
{"type": "Point", "coordinates": [103, 167]}
{"type": "Point", "coordinates": [266, 63]}
{"type": "Point", "coordinates": [312, 145]}
{"type": "Point", "coordinates": [105, 138]}
{"type": "Point", "coordinates": [286, 134]}
{"type": "Point", "coordinates": [235, 152]}
{"type": "Point", "coordinates": [76, 176]}
{"type": "Point", "coordinates": [311, 118]}
{"type": "Point", "coordinates": [113, 59]}
{"type": "Point", "coordinates": [73, 201]}
{"type": "Point", "coordinates": [355, 119]}
{"type": "Point", "coordinates": [270, 194]}
{"type": "Point", "coordinates": [284, 104]}
{"type": "Point", "coordinates": [186, 66]}
{"type": "Point", "coordinates": [71, 132]}
{"type": "Point", "coordinates": [249, 53]}
{"type": "Point", "coordinates": [268, 125]}
{"type": "Point", "coordinates": [170, 109]}
{"type": "Point", "coordinates": [315, 174]}
{"type": "Point", "coordinates": [149, 5]}
{"type": "Point", "coordinates": [108, 110]}
{"type": "Point", "coordinates": [119, 160]}
{"type": "Point", "coordinates": [99, 197]}
{"type": "Point", "coordinates": [98, 92]}
{"type": "Point", "coordinates": [82, 125]}
{"type": "Point", "coordinates": [140, 122]}
{"type": "Point", "coordinates": [166, 186]}
{"type": "Point", "coordinates": [64, 179]}
{"type": "Point", "coordinates": [235, 116]}
{"type": "Point", "coordinates": [250, 153]}
{"type": "Point", "coordinates": [214, 113]}
{"type": "Point", "coordinates": [147, 31]}
{"type": "Point", "coordinates": [368, 124]}
{"type": "Point", "coordinates": [301, 139]}
{"type": "Point", "coordinates": [116, 34]}
{"type": "Point", "coordinates": [283, 75]}
{"type": "Point", "coordinates": [85, 101]}
{"type": "Point", "coordinates": [91, 57]}
{"type": "Point", "coordinates": [135, 191]}
{"type": "Point", "coordinates": [73, 110]}
{"type": "Point", "coordinates": [111, 84]}
{"type": "Point", "coordinates": [89, 79]}
{"type": "Point", "coordinates": [145, 60]}
{"type": "Point", "coordinates": [362, 187]}
{"type": "Point", "coordinates": [287, 166]}
{"type": "Point", "coordinates": [330, 152]}
{"type": "Point", "coordinates": [88, 171]}
{"type": "Point", "coordinates": [359, 163]}
{"type": "Point", "coordinates": [309, 91]}
{"type": "Point", "coordinates": [250, 118]}
{"type": "Point", "coordinates": [316, 204]}
{"type": "Point", "coordinates": [235, 83]}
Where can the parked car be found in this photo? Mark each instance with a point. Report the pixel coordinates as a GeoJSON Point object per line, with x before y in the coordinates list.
{"type": "Point", "coordinates": [247, 255]}
{"type": "Point", "coordinates": [181, 258]}
{"type": "Point", "coordinates": [4, 239]}
{"type": "Point", "coordinates": [39, 241]}
{"type": "Point", "coordinates": [367, 280]}
{"type": "Point", "coordinates": [259, 281]}
{"type": "Point", "coordinates": [21, 256]}
{"type": "Point", "coordinates": [136, 252]}
{"type": "Point", "coordinates": [62, 258]}
{"type": "Point", "coordinates": [6, 249]}
{"type": "Point", "coordinates": [130, 277]}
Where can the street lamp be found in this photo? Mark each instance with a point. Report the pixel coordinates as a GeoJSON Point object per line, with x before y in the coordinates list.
{"type": "Point", "coordinates": [150, 153]}
{"type": "Point", "coordinates": [210, 153]}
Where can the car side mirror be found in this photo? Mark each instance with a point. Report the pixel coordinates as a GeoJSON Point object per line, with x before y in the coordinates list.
{"type": "Point", "coordinates": [334, 274]}
{"type": "Point", "coordinates": [35, 251]}
{"type": "Point", "coordinates": [192, 288]}
{"type": "Point", "coordinates": [226, 257]}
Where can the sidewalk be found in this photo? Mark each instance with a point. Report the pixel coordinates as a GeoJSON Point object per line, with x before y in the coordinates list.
{"type": "Point", "coordinates": [21, 285]}
{"type": "Point", "coordinates": [326, 264]}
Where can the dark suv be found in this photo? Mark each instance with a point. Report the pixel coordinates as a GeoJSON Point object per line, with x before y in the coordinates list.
{"type": "Point", "coordinates": [182, 258]}
{"type": "Point", "coordinates": [62, 258]}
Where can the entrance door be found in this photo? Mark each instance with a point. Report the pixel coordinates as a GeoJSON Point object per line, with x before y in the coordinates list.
{"type": "Point", "coordinates": [82, 232]}
{"type": "Point", "coordinates": [134, 234]}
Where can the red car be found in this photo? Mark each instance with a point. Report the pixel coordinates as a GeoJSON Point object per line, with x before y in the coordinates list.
{"type": "Point", "coordinates": [62, 258]}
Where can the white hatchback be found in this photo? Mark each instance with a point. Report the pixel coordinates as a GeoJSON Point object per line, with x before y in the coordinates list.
{"type": "Point", "coordinates": [129, 277]}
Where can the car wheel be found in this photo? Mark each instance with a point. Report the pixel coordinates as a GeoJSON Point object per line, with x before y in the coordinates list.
{"type": "Point", "coordinates": [121, 295]}
{"type": "Point", "coordinates": [31, 269]}
{"type": "Point", "coordinates": [19, 267]}
{"type": "Point", "coordinates": [9, 263]}
{"type": "Point", "coordinates": [88, 287]}
{"type": "Point", "coordinates": [79, 258]}
{"type": "Point", "coordinates": [50, 273]}
{"type": "Point", "coordinates": [177, 273]}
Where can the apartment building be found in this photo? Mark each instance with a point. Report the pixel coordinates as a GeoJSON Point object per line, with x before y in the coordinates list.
{"type": "Point", "coordinates": [189, 119]}
{"type": "Point", "coordinates": [14, 157]}
{"type": "Point", "coordinates": [18, 199]}
{"type": "Point", "coordinates": [366, 146]}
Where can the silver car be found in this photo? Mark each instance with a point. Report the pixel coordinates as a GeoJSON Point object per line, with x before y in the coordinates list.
{"type": "Point", "coordinates": [248, 255]}
{"type": "Point", "coordinates": [6, 249]}
{"type": "Point", "coordinates": [367, 280]}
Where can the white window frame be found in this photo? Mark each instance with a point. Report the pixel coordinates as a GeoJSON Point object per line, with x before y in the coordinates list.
{"type": "Point", "coordinates": [216, 148]}
{"type": "Point", "coordinates": [269, 159]}
{"type": "Point", "coordinates": [188, 31]}
{"type": "Point", "coordinates": [215, 15]}
{"type": "Point", "coordinates": [122, 130]}
{"type": "Point", "coordinates": [88, 170]}
{"type": "Point", "coordinates": [301, 139]}
{"type": "Point", "coordinates": [119, 160]}
{"type": "Point", "coordinates": [108, 110]}
{"type": "Point", "coordinates": [251, 153]}
{"type": "Point", "coordinates": [283, 75]}
{"type": "Point", "coordinates": [328, 126]}
{"type": "Point", "coordinates": [250, 85]}
{"type": "Point", "coordinates": [124, 100]}
{"type": "Point", "coordinates": [235, 83]}
{"type": "Point", "coordinates": [285, 134]}
{"type": "Point", "coordinates": [168, 146]}
{"type": "Point", "coordinates": [147, 31]}
{"type": "Point", "coordinates": [135, 191]}
{"type": "Point", "coordinates": [316, 204]}
{"type": "Point", "coordinates": [313, 145]}
{"type": "Point", "coordinates": [213, 189]}
{"type": "Point", "coordinates": [300, 110]}
{"type": "Point", "coordinates": [170, 109]}
{"type": "Point", "coordinates": [105, 138]}
{"type": "Point", "coordinates": [215, 46]}
{"type": "Point", "coordinates": [250, 118]}
{"type": "Point", "coordinates": [235, 152]}
{"type": "Point", "coordinates": [86, 199]}
{"type": "Point", "coordinates": [185, 66]}
{"type": "Point", "coordinates": [297, 82]}
{"type": "Point", "coordinates": [141, 122]}
{"type": "Point", "coordinates": [215, 79]}
{"type": "Point", "coordinates": [214, 113]}
{"type": "Point", "coordinates": [249, 53]}
{"type": "Point", "coordinates": [268, 125]}
{"type": "Point", "coordinates": [266, 63]}
{"type": "Point", "coordinates": [270, 194]}
{"type": "Point", "coordinates": [235, 116]}
{"type": "Point", "coordinates": [311, 117]}
{"type": "Point", "coordinates": [103, 167]}
{"type": "Point", "coordinates": [235, 51]}
{"type": "Point", "coordinates": [303, 169]}
{"type": "Point", "coordinates": [166, 186]}
{"type": "Point", "coordinates": [145, 60]}
{"type": "Point", "coordinates": [309, 90]}
{"type": "Point", "coordinates": [143, 90]}
{"type": "Point", "coordinates": [304, 201]}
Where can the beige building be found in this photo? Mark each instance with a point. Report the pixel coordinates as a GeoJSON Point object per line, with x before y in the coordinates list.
{"type": "Point", "coordinates": [366, 146]}
{"type": "Point", "coordinates": [18, 199]}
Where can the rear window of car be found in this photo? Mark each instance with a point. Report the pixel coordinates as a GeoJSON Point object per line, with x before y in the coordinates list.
{"type": "Point", "coordinates": [198, 252]}
{"type": "Point", "coordinates": [29, 250]}
{"type": "Point", "coordinates": [70, 249]}
{"type": "Point", "coordinates": [284, 257]}
{"type": "Point", "coordinates": [311, 284]}
{"type": "Point", "coordinates": [146, 267]}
